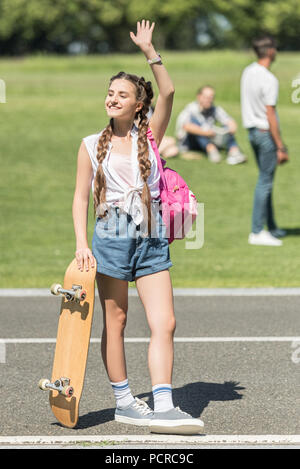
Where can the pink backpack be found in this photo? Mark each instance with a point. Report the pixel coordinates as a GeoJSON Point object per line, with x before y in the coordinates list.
{"type": "Point", "coordinates": [179, 204]}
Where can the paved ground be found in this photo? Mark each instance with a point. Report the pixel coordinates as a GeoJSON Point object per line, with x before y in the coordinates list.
{"type": "Point", "coordinates": [237, 367]}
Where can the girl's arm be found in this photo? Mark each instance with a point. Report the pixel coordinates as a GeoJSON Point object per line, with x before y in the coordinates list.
{"type": "Point", "coordinates": [80, 206]}
{"type": "Point", "coordinates": [160, 119]}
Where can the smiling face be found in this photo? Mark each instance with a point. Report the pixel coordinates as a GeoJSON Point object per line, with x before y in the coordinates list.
{"type": "Point", "coordinates": [121, 101]}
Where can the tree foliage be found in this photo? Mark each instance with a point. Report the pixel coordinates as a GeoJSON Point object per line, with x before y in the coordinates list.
{"type": "Point", "coordinates": [104, 25]}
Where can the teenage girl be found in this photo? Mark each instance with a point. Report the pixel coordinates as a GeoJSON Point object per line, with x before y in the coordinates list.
{"type": "Point", "coordinates": [120, 167]}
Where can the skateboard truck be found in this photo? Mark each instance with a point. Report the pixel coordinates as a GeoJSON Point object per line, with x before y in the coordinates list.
{"type": "Point", "coordinates": [75, 294]}
{"type": "Point", "coordinates": [61, 385]}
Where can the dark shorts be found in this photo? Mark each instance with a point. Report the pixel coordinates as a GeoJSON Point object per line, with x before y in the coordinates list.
{"type": "Point", "coordinates": [122, 251]}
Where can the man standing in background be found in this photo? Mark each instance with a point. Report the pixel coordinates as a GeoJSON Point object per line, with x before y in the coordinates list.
{"type": "Point", "coordinates": [259, 94]}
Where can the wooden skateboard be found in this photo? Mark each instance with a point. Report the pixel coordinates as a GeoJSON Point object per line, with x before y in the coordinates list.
{"type": "Point", "coordinates": [72, 343]}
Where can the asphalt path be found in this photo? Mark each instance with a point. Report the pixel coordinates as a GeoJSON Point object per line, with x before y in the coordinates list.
{"type": "Point", "coordinates": [236, 366]}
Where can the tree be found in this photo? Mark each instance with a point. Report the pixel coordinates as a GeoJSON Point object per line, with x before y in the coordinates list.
{"type": "Point", "coordinates": [103, 25]}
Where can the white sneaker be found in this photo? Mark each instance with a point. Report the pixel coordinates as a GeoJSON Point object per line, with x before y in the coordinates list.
{"type": "Point", "coordinates": [136, 413]}
{"type": "Point", "coordinates": [214, 156]}
{"type": "Point", "coordinates": [175, 421]}
{"type": "Point", "coordinates": [263, 238]}
{"type": "Point", "coordinates": [236, 158]}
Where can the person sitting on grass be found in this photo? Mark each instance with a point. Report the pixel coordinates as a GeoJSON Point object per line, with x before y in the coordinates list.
{"type": "Point", "coordinates": [202, 126]}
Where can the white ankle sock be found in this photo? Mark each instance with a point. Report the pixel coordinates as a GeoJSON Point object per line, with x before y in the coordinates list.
{"type": "Point", "coordinates": [162, 396]}
{"type": "Point", "coordinates": [122, 393]}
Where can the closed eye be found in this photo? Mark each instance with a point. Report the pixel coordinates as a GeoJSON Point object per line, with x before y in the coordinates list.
{"type": "Point", "coordinates": [121, 94]}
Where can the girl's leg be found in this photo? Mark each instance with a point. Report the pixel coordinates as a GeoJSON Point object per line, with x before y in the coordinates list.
{"type": "Point", "coordinates": [155, 291]}
{"type": "Point", "coordinates": [113, 295]}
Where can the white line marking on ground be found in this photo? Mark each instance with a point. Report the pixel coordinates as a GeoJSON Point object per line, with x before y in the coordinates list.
{"type": "Point", "coordinates": [147, 339]}
{"type": "Point", "coordinates": [151, 438]}
{"type": "Point", "coordinates": [236, 291]}
{"type": "Point", "coordinates": [32, 292]}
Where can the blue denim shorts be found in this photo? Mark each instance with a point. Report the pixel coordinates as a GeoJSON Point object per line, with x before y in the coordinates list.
{"type": "Point", "coordinates": [122, 250]}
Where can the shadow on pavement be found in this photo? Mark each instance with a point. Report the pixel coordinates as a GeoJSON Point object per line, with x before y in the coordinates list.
{"type": "Point", "coordinates": [194, 397]}
{"type": "Point", "coordinates": [191, 398]}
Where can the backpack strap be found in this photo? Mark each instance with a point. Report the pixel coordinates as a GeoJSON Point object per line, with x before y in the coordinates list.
{"type": "Point", "coordinates": [160, 162]}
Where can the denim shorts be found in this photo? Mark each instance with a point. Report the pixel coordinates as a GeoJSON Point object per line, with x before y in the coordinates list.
{"type": "Point", "coordinates": [122, 250]}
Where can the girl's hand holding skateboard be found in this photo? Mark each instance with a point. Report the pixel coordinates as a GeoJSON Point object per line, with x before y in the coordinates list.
{"type": "Point", "coordinates": [85, 259]}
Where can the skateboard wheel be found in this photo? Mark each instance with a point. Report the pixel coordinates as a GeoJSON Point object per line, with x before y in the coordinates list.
{"type": "Point", "coordinates": [42, 384]}
{"type": "Point", "coordinates": [67, 391]}
{"type": "Point", "coordinates": [80, 295]}
{"type": "Point", "coordinates": [54, 288]}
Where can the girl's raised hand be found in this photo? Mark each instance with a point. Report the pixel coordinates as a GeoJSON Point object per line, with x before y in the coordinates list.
{"type": "Point", "coordinates": [143, 36]}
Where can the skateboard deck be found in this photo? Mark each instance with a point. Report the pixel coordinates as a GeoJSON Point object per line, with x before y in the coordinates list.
{"type": "Point", "coordinates": [72, 343]}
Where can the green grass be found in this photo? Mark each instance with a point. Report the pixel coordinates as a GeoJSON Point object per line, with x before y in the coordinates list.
{"type": "Point", "coordinates": [53, 102]}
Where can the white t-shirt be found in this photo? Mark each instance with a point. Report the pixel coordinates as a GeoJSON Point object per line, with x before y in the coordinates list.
{"type": "Point", "coordinates": [118, 188]}
{"type": "Point", "coordinates": [259, 88]}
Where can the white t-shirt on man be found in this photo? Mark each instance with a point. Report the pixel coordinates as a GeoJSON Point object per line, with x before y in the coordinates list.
{"type": "Point", "coordinates": [259, 88]}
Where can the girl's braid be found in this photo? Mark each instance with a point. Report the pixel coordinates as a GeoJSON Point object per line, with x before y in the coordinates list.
{"type": "Point", "coordinates": [100, 181]}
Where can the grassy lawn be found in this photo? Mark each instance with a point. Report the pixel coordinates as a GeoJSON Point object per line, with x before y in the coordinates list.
{"type": "Point", "coordinates": [53, 102]}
